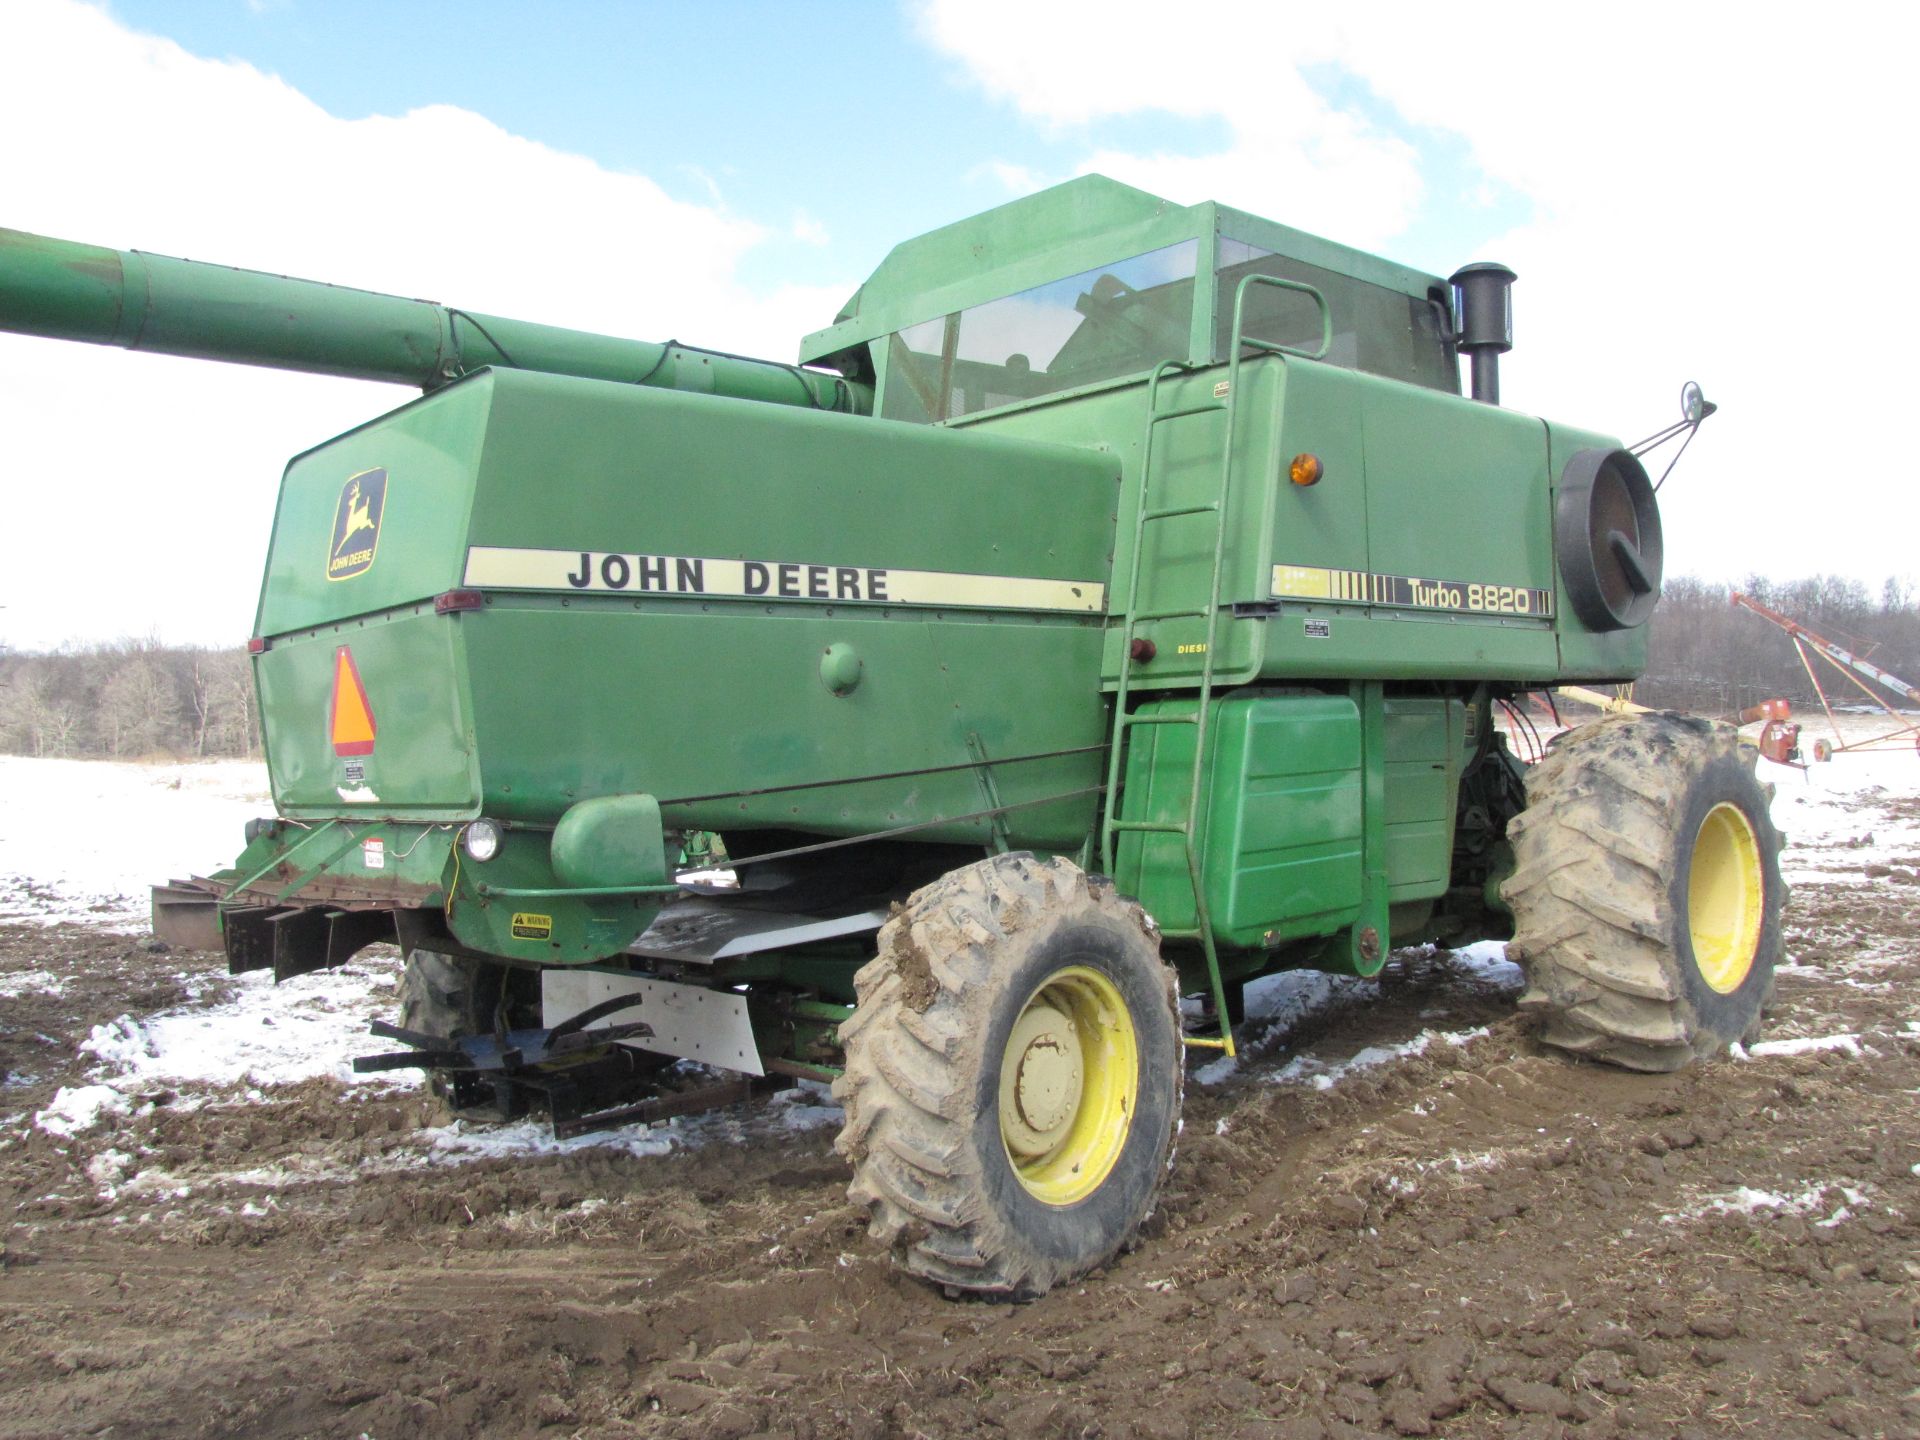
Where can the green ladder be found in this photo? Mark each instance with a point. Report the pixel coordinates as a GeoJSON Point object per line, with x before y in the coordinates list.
{"type": "Point", "coordinates": [1124, 719]}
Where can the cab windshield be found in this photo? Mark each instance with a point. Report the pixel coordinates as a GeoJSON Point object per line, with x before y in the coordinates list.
{"type": "Point", "coordinates": [1127, 317]}
{"type": "Point", "coordinates": [1098, 325]}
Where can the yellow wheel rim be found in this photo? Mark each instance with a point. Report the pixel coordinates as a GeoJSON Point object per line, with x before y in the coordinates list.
{"type": "Point", "coordinates": [1068, 1083]}
{"type": "Point", "coordinates": [1726, 898]}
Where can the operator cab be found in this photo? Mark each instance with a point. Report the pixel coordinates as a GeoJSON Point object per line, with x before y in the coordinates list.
{"type": "Point", "coordinates": [1094, 283]}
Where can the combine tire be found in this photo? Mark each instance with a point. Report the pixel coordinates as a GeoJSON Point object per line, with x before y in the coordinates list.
{"type": "Point", "coordinates": [451, 996]}
{"type": "Point", "coordinates": [1013, 1075]}
{"type": "Point", "coordinates": [1646, 891]}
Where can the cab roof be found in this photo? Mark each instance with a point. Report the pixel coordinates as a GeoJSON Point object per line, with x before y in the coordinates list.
{"type": "Point", "coordinates": [1070, 228]}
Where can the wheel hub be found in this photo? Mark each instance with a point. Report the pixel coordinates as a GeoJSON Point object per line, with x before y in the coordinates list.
{"type": "Point", "coordinates": [1726, 898]}
{"type": "Point", "coordinates": [1042, 1084]}
{"type": "Point", "coordinates": [1048, 1087]}
{"type": "Point", "coordinates": [1069, 1078]}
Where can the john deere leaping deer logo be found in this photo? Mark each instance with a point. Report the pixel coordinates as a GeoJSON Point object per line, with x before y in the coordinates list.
{"type": "Point", "coordinates": [356, 525]}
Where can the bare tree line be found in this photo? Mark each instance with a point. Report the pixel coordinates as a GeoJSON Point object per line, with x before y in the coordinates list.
{"type": "Point", "coordinates": [128, 699]}
{"type": "Point", "coordinates": [1707, 655]}
{"type": "Point", "coordinates": [136, 698]}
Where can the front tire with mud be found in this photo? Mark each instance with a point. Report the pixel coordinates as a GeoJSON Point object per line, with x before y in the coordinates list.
{"type": "Point", "coordinates": [1646, 891]}
{"type": "Point", "coordinates": [1013, 1077]}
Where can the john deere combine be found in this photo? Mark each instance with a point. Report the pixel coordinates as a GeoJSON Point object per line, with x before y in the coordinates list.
{"type": "Point", "coordinates": [1109, 608]}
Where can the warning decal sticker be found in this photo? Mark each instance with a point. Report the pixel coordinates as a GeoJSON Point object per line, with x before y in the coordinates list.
{"type": "Point", "coordinates": [356, 525]}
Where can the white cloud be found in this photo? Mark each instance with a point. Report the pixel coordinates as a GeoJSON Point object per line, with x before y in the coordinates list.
{"type": "Point", "coordinates": [1712, 195]}
{"type": "Point", "coordinates": [1711, 199]}
{"type": "Point", "coordinates": [149, 483]}
{"type": "Point", "coordinates": [704, 180]}
{"type": "Point", "coordinates": [1289, 149]}
{"type": "Point", "coordinates": [809, 231]}
{"type": "Point", "coordinates": [1016, 180]}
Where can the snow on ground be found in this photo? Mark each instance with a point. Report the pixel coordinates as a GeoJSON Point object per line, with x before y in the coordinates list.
{"type": "Point", "coordinates": [1486, 961]}
{"type": "Point", "coordinates": [81, 1107]}
{"type": "Point", "coordinates": [808, 1106]}
{"type": "Point", "coordinates": [263, 1036]}
{"type": "Point", "coordinates": [1279, 1004]}
{"type": "Point", "coordinates": [1844, 815]}
{"type": "Point", "coordinates": [1837, 1200]}
{"type": "Point", "coordinates": [1803, 1045]}
{"type": "Point", "coordinates": [306, 1028]}
{"type": "Point", "coordinates": [83, 840]}
{"type": "Point", "coordinates": [31, 982]}
{"type": "Point", "coordinates": [1324, 1074]}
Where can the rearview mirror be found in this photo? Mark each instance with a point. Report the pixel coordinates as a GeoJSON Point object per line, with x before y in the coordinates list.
{"type": "Point", "coordinates": [1694, 405]}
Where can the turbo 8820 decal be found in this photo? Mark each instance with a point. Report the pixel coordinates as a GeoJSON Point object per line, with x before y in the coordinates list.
{"type": "Point", "coordinates": [1500, 599]}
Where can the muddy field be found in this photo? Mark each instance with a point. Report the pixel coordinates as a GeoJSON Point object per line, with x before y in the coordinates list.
{"type": "Point", "coordinates": [1397, 1216]}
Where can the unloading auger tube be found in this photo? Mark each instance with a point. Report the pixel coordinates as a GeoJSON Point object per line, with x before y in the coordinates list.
{"type": "Point", "coordinates": [66, 291]}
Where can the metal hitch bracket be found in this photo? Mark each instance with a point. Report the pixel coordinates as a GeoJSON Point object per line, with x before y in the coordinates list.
{"type": "Point", "coordinates": [513, 1050]}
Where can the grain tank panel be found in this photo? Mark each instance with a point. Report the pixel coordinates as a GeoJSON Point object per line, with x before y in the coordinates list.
{"type": "Point", "coordinates": [651, 608]}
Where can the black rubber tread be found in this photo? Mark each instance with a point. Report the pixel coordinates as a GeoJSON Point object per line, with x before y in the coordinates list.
{"type": "Point", "coordinates": [1603, 856]}
{"type": "Point", "coordinates": [956, 963]}
{"type": "Point", "coordinates": [452, 995]}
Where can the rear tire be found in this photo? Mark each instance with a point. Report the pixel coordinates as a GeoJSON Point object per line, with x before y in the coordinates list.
{"type": "Point", "coordinates": [1013, 1077]}
{"type": "Point", "coordinates": [451, 996]}
{"type": "Point", "coordinates": [1646, 891]}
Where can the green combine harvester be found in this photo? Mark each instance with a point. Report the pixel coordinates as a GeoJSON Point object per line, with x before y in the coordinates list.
{"type": "Point", "coordinates": [1110, 607]}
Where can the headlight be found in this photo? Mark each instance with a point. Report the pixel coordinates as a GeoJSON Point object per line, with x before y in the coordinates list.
{"type": "Point", "coordinates": [482, 840]}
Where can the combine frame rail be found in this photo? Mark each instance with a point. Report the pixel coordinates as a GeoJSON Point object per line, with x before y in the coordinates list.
{"type": "Point", "coordinates": [1853, 667]}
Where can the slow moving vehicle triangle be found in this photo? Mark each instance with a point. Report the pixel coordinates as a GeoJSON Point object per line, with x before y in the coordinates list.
{"type": "Point", "coordinates": [353, 725]}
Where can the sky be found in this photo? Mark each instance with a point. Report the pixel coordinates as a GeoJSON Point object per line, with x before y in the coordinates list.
{"type": "Point", "coordinates": [1687, 192]}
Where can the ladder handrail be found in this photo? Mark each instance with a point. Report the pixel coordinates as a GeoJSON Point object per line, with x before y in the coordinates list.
{"type": "Point", "coordinates": [1237, 345]}
{"type": "Point", "coordinates": [1124, 686]}
{"type": "Point", "coordinates": [1113, 823]}
{"type": "Point", "coordinates": [1240, 339]}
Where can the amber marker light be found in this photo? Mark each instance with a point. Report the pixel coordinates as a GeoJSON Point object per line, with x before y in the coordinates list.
{"type": "Point", "coordinates": [1306, 470]}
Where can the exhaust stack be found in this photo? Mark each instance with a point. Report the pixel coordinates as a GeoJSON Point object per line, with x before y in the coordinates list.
{"type": "Point", "coordinates": [1483, 307]}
